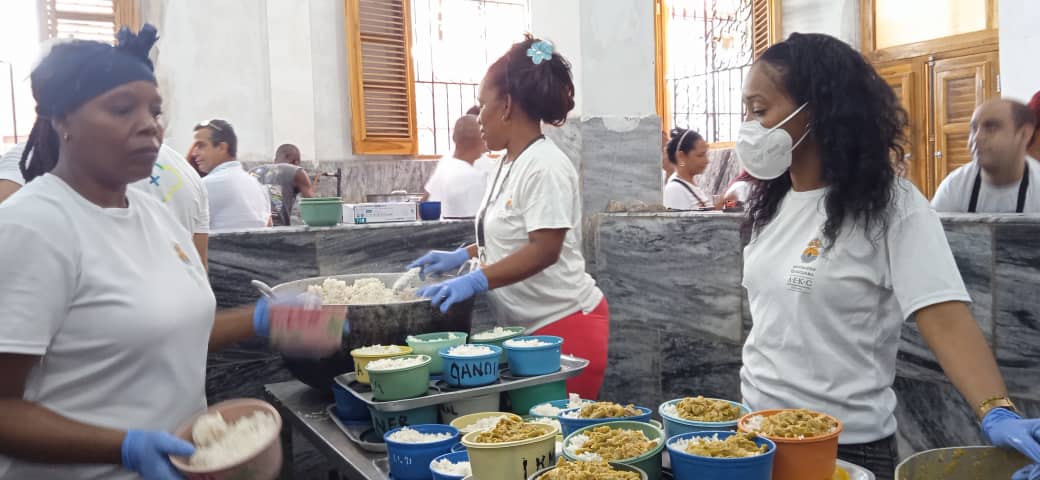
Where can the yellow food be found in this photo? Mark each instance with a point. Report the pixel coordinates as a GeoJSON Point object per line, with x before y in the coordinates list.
{"type": "Point", "coordinates": [707, 410]}
{"type": "Point", "coordinates": [738, 445]}
{"type": "Point", "coordinates": [797, 424]}
{"type": "Point", "coordinates": [608, 410]}
{"type": "Point", "coordinates": [510, 430]}
{"type": "Point", "coordinates": [587, 471]}
{"type": "Point", "coordinates": [616, 444]}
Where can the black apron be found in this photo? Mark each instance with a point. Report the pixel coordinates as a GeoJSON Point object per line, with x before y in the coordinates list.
{"type": "Point", "coordinates": [1022, 189]}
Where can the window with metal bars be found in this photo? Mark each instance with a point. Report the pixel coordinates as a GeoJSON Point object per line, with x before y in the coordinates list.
{"type": "Point", "coordinates": [86, 19]}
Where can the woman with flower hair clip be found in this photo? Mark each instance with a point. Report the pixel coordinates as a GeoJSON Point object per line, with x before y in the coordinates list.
{"type": "Point", "coordinates": [528, 229]}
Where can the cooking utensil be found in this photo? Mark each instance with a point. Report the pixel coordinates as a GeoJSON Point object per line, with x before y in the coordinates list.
{"type": "Point", "coordinates": [264, 288]}
{"type": "Point", "coordinates": [961, 463]}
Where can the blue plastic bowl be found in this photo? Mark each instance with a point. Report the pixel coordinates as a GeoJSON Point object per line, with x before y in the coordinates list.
{"type": "Point", "coordinates": [561, 404]}
{"type": "Point", "coordinates": [430, 210]}
{"type": "Point", "coordinates": [533, 361]}
{"type": "Point", "coordinates": [348, 407]}
{"type": "Point", "coordinates": [569, 425]}
{"type": "Point", "coordinates": [686, 466]}
{"type": "Point", "coordinates": [453, 457]}
{"type": "Point", "coordinates": [411, 461]}
{"type": "Point", "coordinates": [383, 422]}
{"type": "Point", "coordinates": [676, 426]}
{"type": "Point", "coordinates": [472, 371]}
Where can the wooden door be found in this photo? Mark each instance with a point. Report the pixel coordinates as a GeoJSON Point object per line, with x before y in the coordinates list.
{"type": "Point", "coordinates": [959, 85]}
{"type": "Point", "coordinates": [906, 78]}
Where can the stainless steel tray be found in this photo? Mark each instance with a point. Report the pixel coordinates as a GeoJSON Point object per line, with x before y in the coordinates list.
{"type": "Point", "coordinates": [356, 433]}
{"type": "Point", "coordinates": [441, 392]}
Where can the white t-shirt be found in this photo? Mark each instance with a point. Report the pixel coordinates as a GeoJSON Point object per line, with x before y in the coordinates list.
{"type": "Point", "coordinates": [827, 320]}
{"type": "Point", "coordinates": [173, 182]}
{"type": "Point", "coordinates": [742, 191]}
{"type": "Point", "coordinates": [459, 187]}
{"type": "Point", "coordinates": [486, 165]}
{"type": "Point", "coordinates": [682, 195]}
{"type": "Point", "coordinates": [954, 193]}
{"type": "Point", "coordinates": [236, 199]}
{"type": "Point", "coordinates": [116, 303]}
{"type": "Point", "coordinates": [538, 191]}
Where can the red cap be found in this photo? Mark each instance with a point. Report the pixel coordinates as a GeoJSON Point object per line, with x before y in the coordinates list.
{"type": "Point", "coordinates": [1034, 105]}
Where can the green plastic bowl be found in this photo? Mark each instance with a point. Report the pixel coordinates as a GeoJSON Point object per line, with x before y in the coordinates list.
{"type": "Point", "coordinates": [498, 341]}
{"type": "Point", "coordinates": [430, 343]}
{"type": "Point", "coordinates": [321, 200]}
{"type": "Point", "coordinates": [523, 399]}
{"type": "Point", "coordinates": [321, 214]}
{"type": "Point", "coordinates": [400, 383]}
{"type": "Point", "coordinates": [649, 462]}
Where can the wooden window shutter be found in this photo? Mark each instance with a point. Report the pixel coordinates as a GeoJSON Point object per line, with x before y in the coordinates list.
{"type": "Point", "coordinates": [765, 25]}
{"type": "Point", "coordinates": [381, 77]}
{"type": "Point", "coordinates": [86, 19]}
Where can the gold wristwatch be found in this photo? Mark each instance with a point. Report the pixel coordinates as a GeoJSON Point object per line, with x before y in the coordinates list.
{"type": "Point", "coordinates": [1001, 401]}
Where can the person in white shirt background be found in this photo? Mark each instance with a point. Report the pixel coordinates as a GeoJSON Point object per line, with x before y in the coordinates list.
{"type": "Point", "coordinates": [236, 199]}
{"type": "Point", "coordinates": [456, 182]}
{"type": "Point", "coordinates": [688, 153]}
{"type": "Point", "coordinates": [529, 227]}
{"type": "Point", "coordinates": [843, 252]}
{"type": "Point", "coordinates": [1001, 178]}
{"type": "Point", "coordinates": [486, 164]}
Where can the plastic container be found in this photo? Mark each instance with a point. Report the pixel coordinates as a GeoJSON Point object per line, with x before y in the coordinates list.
{"type": "Point", "coordinates": [349, 408]}
{"type": "Point", "coordinates": [430, 210]}
{"type": "Point", "coordinates": [533, 361]}
{"type": "Point", "coordinates": [360, 360]}
{"type": "Point", "coordinates": [511, 460]}
{"type": "Point", "coordinates": [795, 459]}
{"type": "Point", "coordinates": [560, 404]}
{"type": "Point", "coordinates": [466, 420]}
{"type": "Point", "coordinates": [686, 466]}
{"type": "Point", "coordinates": [401, 383]}
{"type": "Point", "coordinates": [431, 343]}
{"type": "Point", "coordinates": [617, 466]}
{"type": "Point", "coordinates": [322, 213]}
{"type": "Point", "coordinates": [383, 422]}
{"type": "Point", "coordinates": [522, 399]}
{"type": "Point", "coordinates": [484, 403]}
{"type": "Point", "coordinates": [649, 462]}
{"type": "Point", "coordinates": [470, 371]}
{"type": "Point", "coordinates": [674, 425]}
{"type": "Point", "coordinates": [571, 425]}
{"type": "Point", "coordinates": [264, 464]}
{"type": "Point", "coordinates": [453, 457]}
{"type": "Point", "coordinates": [313, 331]}
{"type": "Point", "coordinates": [511, 332]}
{"type": "Point", "coordinates": [411, 461]}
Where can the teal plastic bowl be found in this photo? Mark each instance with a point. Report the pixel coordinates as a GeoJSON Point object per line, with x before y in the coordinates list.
{"type": "Point", "coordinates": [321, 214]}
{"type": "Point", "coordinates": [571, 424]}
{"type": "Point", "coordinates": [523, 399]}
{"type": "Point", "coordinates": [649, 462]}
{"type": "Point", "coordinates": [431, 343]}
{"type": "Point", "coordinates": [674, 425]}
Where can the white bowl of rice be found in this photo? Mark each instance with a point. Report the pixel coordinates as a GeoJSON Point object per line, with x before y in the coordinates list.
{"type": "Point", "coordinates": [232, 438]}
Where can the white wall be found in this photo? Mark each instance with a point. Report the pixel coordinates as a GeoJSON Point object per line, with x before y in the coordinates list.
{"type": "Point", "coordinates": [1019, 38]}
{"type": "Point", "coordinates": [838, 18]}
{"type": "Point", "coordinates": [292, 75]}
{"type": "Point", "coordinates": [557, 21]}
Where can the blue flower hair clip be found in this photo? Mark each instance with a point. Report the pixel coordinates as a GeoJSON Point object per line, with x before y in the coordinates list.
{"type": "Point", "coordinates": [540, 51]}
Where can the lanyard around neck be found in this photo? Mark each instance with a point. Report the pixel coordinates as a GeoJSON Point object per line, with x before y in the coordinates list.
{"type": "Point", "coordinates": [493, 196]}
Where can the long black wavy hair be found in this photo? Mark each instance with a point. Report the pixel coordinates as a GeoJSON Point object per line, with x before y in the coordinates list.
{"type": "Point", "coordinates": [857, 122]}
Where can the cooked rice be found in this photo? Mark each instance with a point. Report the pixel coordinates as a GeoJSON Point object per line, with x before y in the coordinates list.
{"type": "Point", "coordinates": [365, 291]}
{"type": "Point", "coordinates": [495, 333]}
{"type": "Point", "coordinates": [470, 351]}
{"type": "Point", "coordinates": [446, 467]}
{"type": "Point", "coordinates": [218, 443]}
{"type": "Point", "coordinates": [700, 409]}
{"type": "Point", "coordinates": [586, 471]}
{"type": "Point", "coordinates": [394, 363]}
{"type": "Point", "coordinates": [738, 445]}
{"type": "Point", "coordinates": [609, 444]}
{"type": "Point", "coordinates": [407, 435]}
{"type": "Point", "coordinates": [379, 350]}
{"type": "Point", "coordinates": [795, 424]}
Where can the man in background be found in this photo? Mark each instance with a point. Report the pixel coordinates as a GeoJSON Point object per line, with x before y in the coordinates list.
{"type": "Point", "coordinates": [485, 163]}
{"type": "Point", "coordinates": [456, 183]}
{"type": "Point", "coordinates": [236, 200]}
{"type": "Point", "coordinates": [1001, 178]}
{"type": "Point", "coordinates": [285, 180]}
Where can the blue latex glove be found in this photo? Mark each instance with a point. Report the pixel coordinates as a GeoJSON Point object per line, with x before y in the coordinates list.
{"type": "Point", "coordinates": [262, 318]}
{"type": "Point", "coordinates": [456, 290]}
{"type": "Point", "coordinates": [147, 453]}
{"type": "Point", "coordinates": [1031, 472]}
{"type": "Point", "coordinates": [438, 262]}
{"type": "Point", "coordinates": [1005, 428]}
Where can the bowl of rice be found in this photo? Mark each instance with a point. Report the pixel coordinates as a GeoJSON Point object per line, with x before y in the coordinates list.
{"type": "Point", "coordinates": [806, 441]}
{"type": "Point", "coordinates": [554, 408]}
{"type": "Point", "coordinates": [564, 470]}
{"type": "Point", "coordinates": [431, 343]}
{"type": "Point", "coordinates": [721, 455]}
{"type": "Point", "coordinates": [535, 355]}
{"type": "Point", "coordinates": [233, 439]}
{"type": "Point", "coordinates": [451, 466]}
{"type": "Point", "coordinates": [627, 442]}
{"type": "Point", "coordinates": [470, 365]}
{"type": "Point", "coordinates": [411, 450]}
{"type": "Point", "coordinates": [497, 336]}
{"type": "Point", "coordinates": [601, 412]}
{"type": "Point", "coordinates": [363, 355]}
{"type": "Point", "coordinates": [700, 414]}
{"type": "Point", "coordinates": [481, 421]}
{"type": "Point", "coordinates": [513, 449]}
{"type": "Point", "coordinates": [398, 378]}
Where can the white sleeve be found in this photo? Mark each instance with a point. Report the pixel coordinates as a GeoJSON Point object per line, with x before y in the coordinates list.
{"type": "Point", "coordinates": [924, 272]}
{"type": "Point", "coordinates": [37, 284]}
{"type": "Point", "coordinates": [945, 199]}
{"type": "Point", "coordinates": [202, 217]}
{"type": "Point", "coordinates": [548, 201]}
{"type": "Point", "coordinates": [433, 185]}
{"type": "Point", "coordinates": [9, 169]}
{"type": "Point", "coordinates": [676, 197]}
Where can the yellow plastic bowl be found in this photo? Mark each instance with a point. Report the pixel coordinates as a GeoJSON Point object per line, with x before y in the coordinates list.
{"type": "Point", "coordinates": [467, 420]}
{"type": "Point", "coordinates": [360, 360]}
{"type": "Point", "coordinates": [511, 460]}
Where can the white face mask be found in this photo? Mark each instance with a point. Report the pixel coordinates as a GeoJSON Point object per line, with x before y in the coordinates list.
{"type": "Point", "coordinates": [766, 152]}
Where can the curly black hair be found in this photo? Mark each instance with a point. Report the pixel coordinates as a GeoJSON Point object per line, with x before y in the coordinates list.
{"type": "Point", "coordinates": [545, 90]}
{"type": "Point", "coordinates": [857, 121]}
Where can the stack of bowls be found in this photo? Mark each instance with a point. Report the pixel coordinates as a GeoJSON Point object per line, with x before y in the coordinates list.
{"type": "Point", "coordinates": [686, 466]}
{"type": "Point", "coordinates": [321, 211]}
{"type": "Point", "coordinates": [796, 459]}
{"type": "Point", "coordinates": [411, 461]}
{"type": "Point", "coordinates": [649, 462]}
{"type": "Point", "coordinates": [675, 425]}
{"type": "Point", "coordinates": [470, 370]}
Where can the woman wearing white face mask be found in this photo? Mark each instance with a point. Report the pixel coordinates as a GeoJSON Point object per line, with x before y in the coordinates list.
{"type": "Point", "coordinates": [843, 252]}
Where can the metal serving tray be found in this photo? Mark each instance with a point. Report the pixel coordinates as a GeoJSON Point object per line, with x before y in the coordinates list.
{"type": "Point", "coordinates": [441, 392]}
{"type": "Point", "coordinates": [358, 433]}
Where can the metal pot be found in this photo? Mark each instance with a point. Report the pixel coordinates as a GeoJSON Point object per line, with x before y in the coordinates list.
{"type": "Point", "coordinates": [961, 463]}
{"type": "Point", "coordinates": [396, 196]}
{"type": "Point", "coordinates": [374, 324]}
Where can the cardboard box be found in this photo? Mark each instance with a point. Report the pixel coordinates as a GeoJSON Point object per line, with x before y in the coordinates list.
{"type": "Point", "coordinates": [363, 213]}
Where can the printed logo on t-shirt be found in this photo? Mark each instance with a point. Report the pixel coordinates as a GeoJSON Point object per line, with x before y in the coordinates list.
{"type": "Point", "coordinates": [812, 252]}
{"type": "Point", "coordinates": [802, 277]}
{"type": "Point", "coordinates": [181, 254]}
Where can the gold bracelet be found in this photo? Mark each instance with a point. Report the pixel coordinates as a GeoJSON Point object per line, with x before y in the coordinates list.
{"type": "Point", "coordinates": [1000, 401]}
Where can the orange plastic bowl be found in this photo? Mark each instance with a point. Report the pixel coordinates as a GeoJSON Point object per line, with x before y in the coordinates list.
{"type": "Point", "coordinates": [265, 464]}
{"type": "Point", "coordinates": [813, 458]}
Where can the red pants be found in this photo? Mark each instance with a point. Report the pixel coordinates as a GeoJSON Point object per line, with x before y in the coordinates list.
{"type": "Point", "coordinates": [584, 336]}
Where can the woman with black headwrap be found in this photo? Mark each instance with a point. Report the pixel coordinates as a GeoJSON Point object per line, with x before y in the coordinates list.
{"type": "Point", "coordinates": [107, 309]}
